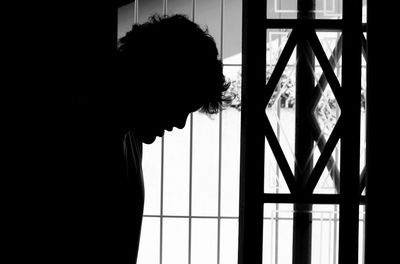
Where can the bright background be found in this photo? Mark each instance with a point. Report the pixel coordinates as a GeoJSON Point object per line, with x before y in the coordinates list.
{"type": "Point", "coordinates": [192, 175]}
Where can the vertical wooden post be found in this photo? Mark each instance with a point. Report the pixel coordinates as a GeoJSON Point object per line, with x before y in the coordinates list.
{"type": "Point", "coordinates": [304, 143]}
{"type": "Point", "coordinates": [382, 135]}
{"type": "Point", "coordinates": [350, 141]}
{"type": "Point", "coordinates": [252, 134]}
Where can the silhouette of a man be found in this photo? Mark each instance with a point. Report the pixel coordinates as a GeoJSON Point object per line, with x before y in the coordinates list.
{"type": "Point", "coordinates": [166, 69]}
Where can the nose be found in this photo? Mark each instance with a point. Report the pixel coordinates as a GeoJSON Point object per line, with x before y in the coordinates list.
{"type": "Point", "coordinates": [181, 122]}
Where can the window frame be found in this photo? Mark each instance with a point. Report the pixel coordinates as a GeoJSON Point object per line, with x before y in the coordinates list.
{"type": "Point", "coordinates": [255, 94]}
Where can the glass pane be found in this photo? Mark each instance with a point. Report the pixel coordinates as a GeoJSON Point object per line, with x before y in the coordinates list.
{"type": "Point", "coordinates": [230, 162]}
{"type": "Point", "coordinates": [287, 9]}
{"type": "Point", "coordinates": [151, 165]}
{"type": "Point", "coordinates": [282, 9]}
{"type": "Point", "coordinates": [281, 113]}
{"type": "Point", "coordinates": [229, 241]}
{"type": "Point", "coordinates": [281, 107]}
{"type": "Point", "coordinates": [176, 171]}
{"type": "Point", "coordinates": [230, 146]}
{"type": "Point", "coordinates": [364, 11]}
{"type": "Point", "coordinates": [180, 7]}
{"type": "Point", "coordinates": [330, 179]}
{"type": "Point", "coordinates": [125, 19]}
{"type": "Point", "coordinates": [332, 44]}
{"type": "Point", "coordinates": [326, 108]}
{"type": "Point", "coordinates": [363, 115]}
{"type": "Point", "coordinates": [276, 41]}
{"type": "Point", "coordinates": [232, 32]}
{"type": "Point", "coordinates": [328, 9]}
{"type": "Point", "coordinates": [204, 241]}
{"type": "Point", "coordinates": [325, 234]}
{"type": "Point", "coordinates": [274, 181]}
{"type": "Point", "coordinates": [233, 74]}
{"type": "Point", "coordinates": [326, 112]}
{"type": "Point", "coordinates": [148, 8]}
{"type": "Point", "coordinates": [361, 235]}
{"type": "Point", "coordinates": [149, 250]}
{"type": "Point", "coordinates": [208, 15]}
{"type": "Point", "coordinates": [175, 241]}
{"type": "Point", "coordinates": [205, 164]}
{"type": "Point", "coordinates": [278, 234]}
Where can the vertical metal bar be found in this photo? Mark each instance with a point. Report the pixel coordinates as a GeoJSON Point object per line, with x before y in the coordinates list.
{"type": "Point", "coordinates": [162, 200]}
{"type": "Point", "coordinates": [191, 164]}
{"type": "Point", "coordinates": [304, 143]}
{"type": "Point", "coordinates": [382, 163]}
{"type": "Point", "coordinates": [276, 233]}
{"type": "Point", "coordinates": [190, 189]}
{"type": "Point", "coordinates": [165, 7]}
{"type": "Point", "coordinates": [219, 190]}
{"type": "Point", "coordinates": [277, 171]}
{"type": "Point", "coordinates": [136, 12]}
{"type": "Point", "coordinates": [350, 141]}
{"type": "Point", "coordinates": [252, 136]}
{"type": "Point", "coordinates": [363, 241]}
{"type": "Point", "coordinates": [162, 176]}
{"type": "Point", "coordinates": [220, 142]}
{"type": "Point", "coordinates": [335, 237]}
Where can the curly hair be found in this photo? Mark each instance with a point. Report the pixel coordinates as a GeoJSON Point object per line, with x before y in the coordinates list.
{"type": "Point", "coordinates": [179, 56]}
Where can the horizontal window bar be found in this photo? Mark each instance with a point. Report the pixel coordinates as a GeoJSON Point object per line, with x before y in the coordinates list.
{"type": "Point", "coordinates": [322, 24]}
{"type": "Point", "coordinates": [311, 199]}
{"type": "Point", "coordinates": [330, 24]}
{"type": "Point", "coordinates": [193, 216]}
{"type": "Point", "coordinates": [232, 64]}
{"type": "Point", "coordinates": [265, 217]}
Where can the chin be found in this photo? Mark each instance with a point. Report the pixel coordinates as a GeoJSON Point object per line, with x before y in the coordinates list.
{"type": "Point", "coordinates": [148, 140]}
{"type": "Point", "coordinates": [149, 136]}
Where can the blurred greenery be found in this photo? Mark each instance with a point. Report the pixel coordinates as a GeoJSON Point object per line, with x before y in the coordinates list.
{"type": "Point", "coordinates": [326, 112]}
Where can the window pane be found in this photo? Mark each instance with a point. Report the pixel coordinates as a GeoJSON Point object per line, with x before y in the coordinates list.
{"type": "Point", "coordinates": [151, 165]}
{"type": "Point", "coordinates": [149, 250]}
{"type": "Point", "coordinates": [282, 9]}
{"type": "Point", "coordinates": [205, 164]}
{"type": "Point", "coordinates": [180, 7]}
{"type": "Point", "coordinates": [175, 241]}
{"type": "Point", "coordinates": [148, 8]}
{"type": "Point", "coordinates": [361, 235]}
{"type": "Point", "coordinates": [230, 144]}
{"type": "Point", "coordinates": [329, 181]}
{"type": "Point", "coordinates": [125, 19]}
{"type": "Point", "coordinates": [325, 234]}
{"type": "Point", "coordinates": [328, 9]}
{"type": "Point", "coordinates": [208, 14]}
{"type": "Point", "coordinates": [278, 234]}
{"type": "Point", "coordinates": [176, 171]}
{"type": "Point", "coordinates": [232, 32]}
{"type": "Point", "coordinates": [229, 241]}
{"type": "Point", "coordinates": [280, 111]}
{"type": "Point", "coordinates": [287, 9]}
{"type": "Point", "coordinates": [204, 241]}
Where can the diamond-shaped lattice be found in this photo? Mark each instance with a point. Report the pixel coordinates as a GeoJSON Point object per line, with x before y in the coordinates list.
{"type": "Point", "coordinates": [326, 112]}
{"type": "Point", "coordinates": [281, 114]}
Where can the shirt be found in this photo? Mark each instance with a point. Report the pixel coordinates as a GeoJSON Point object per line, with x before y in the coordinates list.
{"type": "Point", "coordinates": [134, 183]}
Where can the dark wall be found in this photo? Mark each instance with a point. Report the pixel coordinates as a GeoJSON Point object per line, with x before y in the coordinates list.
{"type": "Point", "coordinates": [56, 52]}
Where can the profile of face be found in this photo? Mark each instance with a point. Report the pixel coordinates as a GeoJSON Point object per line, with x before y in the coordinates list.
{"type": "Point", "coordinates": [160, 122]}
{"type": "Point", "coordinates": [167, 111]}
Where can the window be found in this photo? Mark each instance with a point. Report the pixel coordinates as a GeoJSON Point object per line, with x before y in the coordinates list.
{"type": "Point", "coordinates": [192, 175]}
{"type": "Point", "coordinates": [303, 145]}
{"type": "Point", "coordinates": [289, 173]}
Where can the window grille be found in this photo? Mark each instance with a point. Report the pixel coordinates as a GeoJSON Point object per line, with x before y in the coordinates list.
{"type": "Point", "coordinates": [193, 176]}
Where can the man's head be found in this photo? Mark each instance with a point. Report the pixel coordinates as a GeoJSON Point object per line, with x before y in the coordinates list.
{"type": "Point", "coordinates": [170, 68]}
